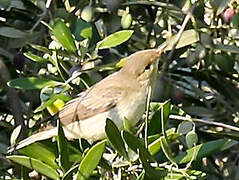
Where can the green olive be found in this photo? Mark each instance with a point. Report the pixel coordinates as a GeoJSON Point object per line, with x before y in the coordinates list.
{"type": "Point", "coordinates": [87, 14]}
{"type": "Point", "coordinates": [126, 21]}
{"type": "Point", "coordinates": [191, 138]}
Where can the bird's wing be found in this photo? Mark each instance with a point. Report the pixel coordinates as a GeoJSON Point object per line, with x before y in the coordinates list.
{"type": "Point", "coordinates": [89, 103]}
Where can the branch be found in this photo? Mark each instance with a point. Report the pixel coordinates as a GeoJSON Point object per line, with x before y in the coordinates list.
{"type": "Point", "coordinates": [181, 118]}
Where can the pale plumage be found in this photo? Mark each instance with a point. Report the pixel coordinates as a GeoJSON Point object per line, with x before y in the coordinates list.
{"type": "Point", "coordinates": [118, 96]}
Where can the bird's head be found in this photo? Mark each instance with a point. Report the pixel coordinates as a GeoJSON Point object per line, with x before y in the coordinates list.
{"type": "Point", "coordinates": [143, 65]}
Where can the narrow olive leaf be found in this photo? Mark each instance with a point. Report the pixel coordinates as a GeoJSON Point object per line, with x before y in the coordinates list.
{"type": "Point", "coordinates": [31, 83]}
{"type": "Point", "coordinates": [52, 99]}
{"type": "Point", "coordinates": [155, 146]}
{"type": "Point", "coordinates": [151, 172]}
{"type": "Point", "coordinates": [11, 32]}
{"type": "Point", "coordinates": [59, 68]}
{"type": "Point", "coordinates": [34, 57]}
{"type": "Point", "coordinates": [68, 174]}
{"type": "Point", "coordinates": [227, 48]}
{"type": "Point", "coordinates": [90, 161]}
{"type": "Point", "coordinates": [188, 37]}
{"type": "Point", "coordinates": [39, 48]}
{"type": "Point", "coordinates": [36, 165]}
{"type": "Point", "coordinates": [113, 135]}
{"type": "Point", "coordinates": [62, 148]}
{"type": "Point", "coordinates": [166, 149]}
{"type": "Point", "coordinates": [115, 39]}
{"type": "Point", "coordinates": [202, 150]}
{"type": "Point", "coordinates": [134, 143]}
{"type": "Point", "coordinates": [41, 152]}
{"type": "Point", "coordinates": [165, 111]}
{"type": "Point", "coordinates": [64, 36]}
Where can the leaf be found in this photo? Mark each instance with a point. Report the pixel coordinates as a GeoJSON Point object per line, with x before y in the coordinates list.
{"type": "Point", "coordinates": [35, 164]}
{"type": "Point", "coordinates": [62, 148]}
{"type": "Point", "coordinates": [155, 146]}
{"type": "Point", "coordinates": [202, 150]}
{"type": "Point", "coordinates": [52, 99]}
{"type": "Point", "coordinates": [83, 30]}
{"type": "Point", "coordinates": [31, 83]}
{"type": "Point", "coordinates": [166, 149]}
{"type": "Point", "coordinates": [115, 39]}
{"type": "Point", "coordinates": [40, 48]}
{"type": "Point", "coordinates": [34, 57]}
{"type": "Point", "coordinates": [64, 36]}
{"type": "Point", "coordinates": [165, 111]}
{"type": "Point", "coordinates": [41, 152]}
{"type": "Point", "coordinates": [113, 135]}
{"type": "Point", "coordinates": [15, 133]}
{"type": "Point", "coordinates": [151, 172]}
{"type": "Point", "coordinates": [90, 161]}
{"type": "Point", "coordinates": [12, 32]}
{"type": "Point", "coordinates": [134, 143]}
{"type": "Point", "coordinates": [188, 37]}
{"type": "Point", "coordinates": [227, 48]}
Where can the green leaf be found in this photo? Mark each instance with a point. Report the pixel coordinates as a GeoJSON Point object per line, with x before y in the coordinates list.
{"type": "Point", "coordinates": [188, 37]}
{"type": "Point", "coordinates": [113, 135]}
{"type": "Point", "coordinates": [34, 57]}
{"type": "Point", "coordinates": [41, 152]}
{"type": "Point", "coordinates": [227, 48]}
{"type": "Point", "coordinates": [64, 36]}
{"type": "Point", "coordinates": [62, 148]}
{"type": "Point", "coordinates": [155, 145]}
{"type": "Point", "coordinates": [134, 143]}
{"type": "Point", "coordinates": [52, 99]}
{"type": "Point", "coordinates": [166, 149]}
{"type": "Point", "coordinates": [40, 48]}
{"type": "Point", "coordinates": [202, 150]}
{"type": "Point", "coordinates": [151, 172]}
{"type": "Point", "coordinates": [12, 32]}
{"type": "Point", "coordinates": [191, 139]}
{"type": "Point", "coordinates": [115, 39]}
{"type": "Point", "coordinates": [31, 83]}
{"type": "Point", "coordinates": [90, 161]}
{"type": "Point", "coordinates": [165, 111]}
{"type": "Point", "coordinates": [83, 30]}
{"type": "Point", "coordinates": [35, 164]}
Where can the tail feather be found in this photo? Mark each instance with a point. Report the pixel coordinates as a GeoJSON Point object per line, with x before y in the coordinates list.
{"type": "Point", "coordinates": [34, 138]}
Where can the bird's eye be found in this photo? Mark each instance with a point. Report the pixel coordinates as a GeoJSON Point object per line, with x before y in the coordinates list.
{"type": "Point", "coordinates": [147, 67]}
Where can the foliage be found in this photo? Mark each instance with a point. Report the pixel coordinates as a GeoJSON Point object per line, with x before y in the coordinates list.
{"type": "Point", "coordinates": [51, 52]}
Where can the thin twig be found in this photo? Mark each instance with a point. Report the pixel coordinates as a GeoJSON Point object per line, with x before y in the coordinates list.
{"type": "Point", "coordinates": [147, 116]}
{"type": "Point", "coordinates": [179, 34]}
{"type": "Point", "coordinates": [181, 118]}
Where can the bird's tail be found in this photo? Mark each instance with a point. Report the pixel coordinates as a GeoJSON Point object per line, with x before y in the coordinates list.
{"type": "Point", "coordinates": [46, 134]}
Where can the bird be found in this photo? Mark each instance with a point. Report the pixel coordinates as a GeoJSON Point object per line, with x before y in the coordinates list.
{"type": "Point", "coordinates": [120, 95]}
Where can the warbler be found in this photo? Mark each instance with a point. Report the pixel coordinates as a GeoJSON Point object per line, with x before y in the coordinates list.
{"type": "Point", "coordinates": [120, 95]}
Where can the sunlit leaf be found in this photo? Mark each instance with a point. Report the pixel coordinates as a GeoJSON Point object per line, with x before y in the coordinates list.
{"type": "Point", "coordinates": [31, 83]}
{"type": "Point", "coordinates": [114, 137]}
{"type": "Point", "coordinates": [35, 164]}
{"type": "Point", "coordinates": [90, 161]}
{"type": "Point", "coordinates": [115, 39]}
